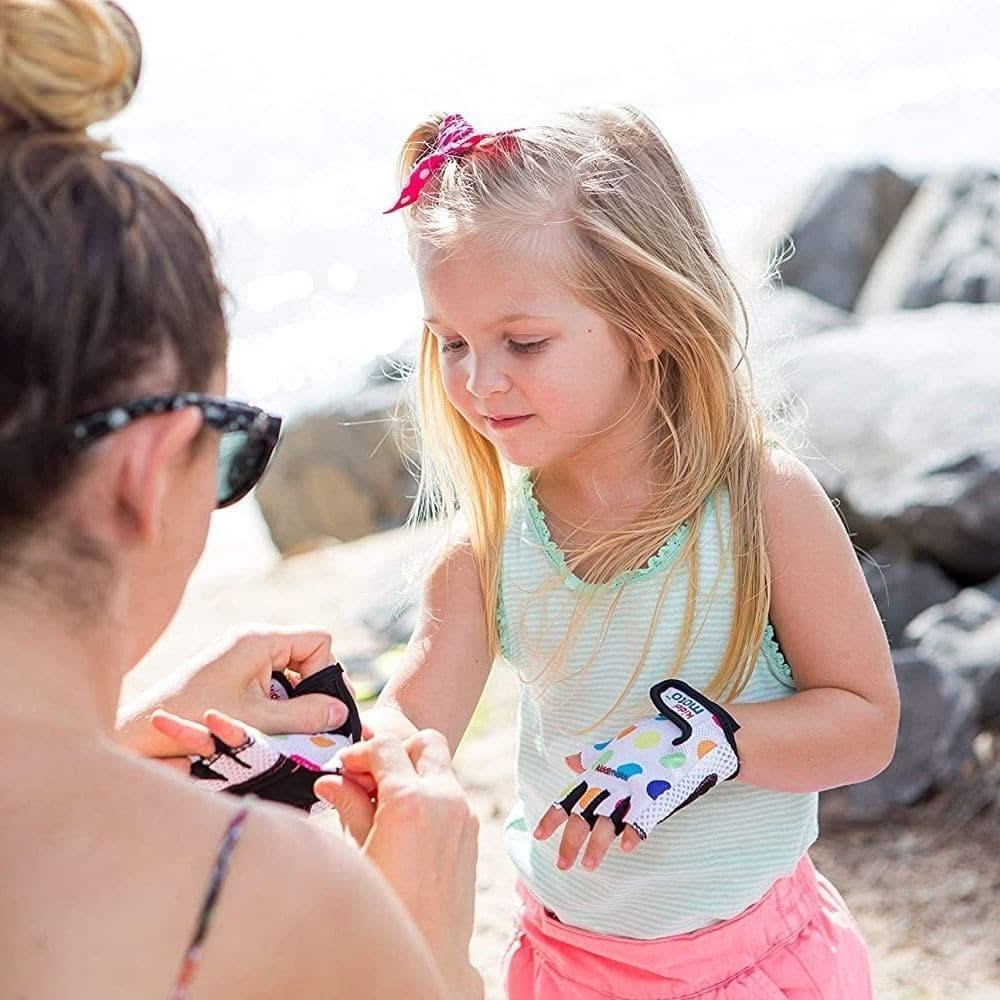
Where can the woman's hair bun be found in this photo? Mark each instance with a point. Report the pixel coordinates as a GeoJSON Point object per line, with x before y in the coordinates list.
{"type": "Point", "coordinates": [65, 64]}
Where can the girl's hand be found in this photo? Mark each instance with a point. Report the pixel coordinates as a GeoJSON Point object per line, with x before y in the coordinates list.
{"type": "Point", "coordinates": [353, 804]}
{"type": "Point", "coordinates": [423, 839]}
{"type": "Point", "coordinates": [577, 831]}
{"type": "Point", "coordinates": [236, 681]}
{"type": "Point", "coordinates": [645, 774]}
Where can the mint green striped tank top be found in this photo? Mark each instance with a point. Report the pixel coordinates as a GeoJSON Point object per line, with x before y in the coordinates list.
{"type": "Point", "coordinates": [707, 862]}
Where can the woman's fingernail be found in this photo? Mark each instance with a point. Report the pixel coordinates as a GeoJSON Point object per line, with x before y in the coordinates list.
{"type": "Point", "coordinates": [336, 715]}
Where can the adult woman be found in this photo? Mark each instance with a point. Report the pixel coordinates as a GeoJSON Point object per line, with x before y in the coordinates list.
{"type": "Point", "coordinates": [110, 332]}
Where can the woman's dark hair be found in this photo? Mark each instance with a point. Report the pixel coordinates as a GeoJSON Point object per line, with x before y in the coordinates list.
{"type": "Point", "coordinates": [107, 283]}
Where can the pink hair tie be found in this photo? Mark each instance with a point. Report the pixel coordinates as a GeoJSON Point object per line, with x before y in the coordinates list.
{"type": "Point", "coordinates": [455, 137]}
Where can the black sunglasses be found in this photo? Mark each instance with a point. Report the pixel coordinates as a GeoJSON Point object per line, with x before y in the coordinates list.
{"type": "Point", "coordinates": [249, 435]}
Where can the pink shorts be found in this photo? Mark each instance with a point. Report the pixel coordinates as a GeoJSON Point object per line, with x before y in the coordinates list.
{"type": "Point", "coordinates": [798, 941]}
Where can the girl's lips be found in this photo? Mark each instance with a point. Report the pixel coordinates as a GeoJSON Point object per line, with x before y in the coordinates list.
{"type": "Point", "coordinates": [503, 423]}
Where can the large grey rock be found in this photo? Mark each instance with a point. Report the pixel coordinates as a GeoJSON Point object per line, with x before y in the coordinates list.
{"type": "Point", "coordinates": [963, 635]}
{"type": "Point", "coordinates": [945, 248]}
{"type": "Point", "coordinates": [841, 229]}
{"type": "Point", "coordinates": [936, 729]}
{"type": "Point", "coordinates": [902, 418]}
{"type": "Point", "coordinates": [339, 474]}
{"type": "Point", "coordinates": [992, 587]}
{"type": "Point", "coordinates": [903, 587]}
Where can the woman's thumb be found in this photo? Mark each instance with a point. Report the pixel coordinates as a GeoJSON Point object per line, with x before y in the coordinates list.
{"type": "Point", "coordinates": [309, 713]}
{"type": "Point", "coordinates": [351, 802]}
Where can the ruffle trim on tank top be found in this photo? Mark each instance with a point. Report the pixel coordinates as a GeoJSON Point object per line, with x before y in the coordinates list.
{"type": "Point", "coordinates": [775, 657]}
{"type": "Point", "coordinates": [662, 559]}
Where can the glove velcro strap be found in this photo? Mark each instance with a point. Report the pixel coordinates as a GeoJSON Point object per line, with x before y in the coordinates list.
{"type": "Point", "coordinates": [677, 707]}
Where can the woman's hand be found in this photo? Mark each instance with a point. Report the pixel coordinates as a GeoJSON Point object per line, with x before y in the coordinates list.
{"type": "Point", "coordinates": [236, 681]}
{"type": "Point", "coordinates": [423, 838]}
{"type": "Point", "coordinates": [418, 830]}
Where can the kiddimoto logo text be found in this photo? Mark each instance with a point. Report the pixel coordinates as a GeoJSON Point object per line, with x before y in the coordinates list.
{"type": "Point", "coordinates": [614, 772]}
{"type": "Point", "coordinates": [684, 702]}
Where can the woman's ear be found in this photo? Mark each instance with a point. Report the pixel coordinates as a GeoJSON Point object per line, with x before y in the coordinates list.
{"type": "Point", "coordinates": [150, 452]}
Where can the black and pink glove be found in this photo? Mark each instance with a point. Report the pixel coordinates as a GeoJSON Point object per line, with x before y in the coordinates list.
{"type": "Point", "coordinates": [657, 765]}
{"type": "Point", "coordinates": [283, 768]}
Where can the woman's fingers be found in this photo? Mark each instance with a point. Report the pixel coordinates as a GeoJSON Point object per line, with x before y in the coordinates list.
{"type": "Point", "coordinates": [306, 651]}
{"type": "Point", "coordinates": [353, 803]}
{"type": "Point", "coordinates": [309, 713]}
{"type": "Point", "coordinates": [428, 750]}
{"type": "Point", "coordinates": [188, 737]}
{"type": "Point", "coordinates": [382, 757]}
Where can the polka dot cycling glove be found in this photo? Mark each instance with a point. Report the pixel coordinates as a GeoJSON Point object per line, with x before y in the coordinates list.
{"type": "Point", "coordinates": [283, 768]}
{"type": "Point", "coordinates": [658, 765]}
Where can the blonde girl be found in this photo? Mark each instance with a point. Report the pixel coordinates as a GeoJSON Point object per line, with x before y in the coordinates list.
{"type": "Point", "coordinates": [681, 604]}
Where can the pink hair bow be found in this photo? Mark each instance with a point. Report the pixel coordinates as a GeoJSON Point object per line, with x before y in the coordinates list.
{"type": "Point", "coordinates": [455, 138]}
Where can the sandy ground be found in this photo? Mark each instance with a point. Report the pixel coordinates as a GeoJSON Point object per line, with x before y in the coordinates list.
{"type": "Point", "coordinates": [925, 886]}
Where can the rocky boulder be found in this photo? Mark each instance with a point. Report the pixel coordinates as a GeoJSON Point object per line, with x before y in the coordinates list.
{"type": "Point", "coordinates": [936, 729]}
{"type": "Point", "coordinates": [945, 248]}
{"type": "Point", "coordinates": [840, 230]}
{"type": "Point", "coordinates": [963, 636]}
{"type": "Point", "coordinates": [902, 588]}
{"type": "Point", "coordinates": [784, 312]}
{"type": "Point", "coordinates": [902, 419]}
{"type": "Point", "coordinates": [339, 474]}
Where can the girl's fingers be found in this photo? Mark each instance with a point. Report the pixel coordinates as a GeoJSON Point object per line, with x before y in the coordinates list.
{"type": "Point", "coordinates": [630, 839]}
{"type": "Point", "coordinates": [189, 737]}
{"type": "Point", "coordinates": [182, 765]}
{"type": "Point", "coordinates": [575, 763]}
{"type": "Point", "coordinates": [602, 837]}
{"type": "Point", "coordinates": [574, 835]}
{"type": "Point", "coordinates": [550, 822]}
{"type": "Point", "coordinates": [225, 728]}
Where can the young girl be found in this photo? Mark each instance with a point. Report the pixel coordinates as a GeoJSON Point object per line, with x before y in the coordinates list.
{"type": "Point", "coordinates": [634, 547]}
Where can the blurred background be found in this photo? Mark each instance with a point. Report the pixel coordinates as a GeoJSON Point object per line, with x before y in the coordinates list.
{"type": "Point", "coordinates": [282, 125]}
{"type": "Point", "coordinates": [864, 133]}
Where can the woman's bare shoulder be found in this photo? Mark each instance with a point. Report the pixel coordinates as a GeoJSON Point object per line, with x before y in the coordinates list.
{"type": "Point", "coordinates": [303, 913]}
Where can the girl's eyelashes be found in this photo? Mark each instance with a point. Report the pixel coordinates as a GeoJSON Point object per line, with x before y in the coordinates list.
{"type": "Point", "coordinates": [527, 346]}
{"type": "Point", "coordinates": [517, 346]}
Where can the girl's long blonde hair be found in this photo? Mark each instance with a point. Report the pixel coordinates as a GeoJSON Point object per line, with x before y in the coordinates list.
{"type": "Point", "coordinates": [642, 253]}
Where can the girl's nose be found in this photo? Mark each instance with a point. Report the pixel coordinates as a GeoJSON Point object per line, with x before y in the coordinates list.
{"type": "Point", "coordinates": [485, 378]}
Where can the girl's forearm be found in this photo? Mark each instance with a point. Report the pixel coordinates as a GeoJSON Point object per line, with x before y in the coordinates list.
{"type": "Point", "coordinates": [816, 739]}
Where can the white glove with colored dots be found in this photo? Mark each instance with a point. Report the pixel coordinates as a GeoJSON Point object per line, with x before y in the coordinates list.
{"type": "Point", "coordinates": [657, 765]}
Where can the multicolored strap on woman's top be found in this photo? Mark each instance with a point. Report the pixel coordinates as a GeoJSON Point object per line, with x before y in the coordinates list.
{"type": "Point", "coordinates": [193, 955]}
